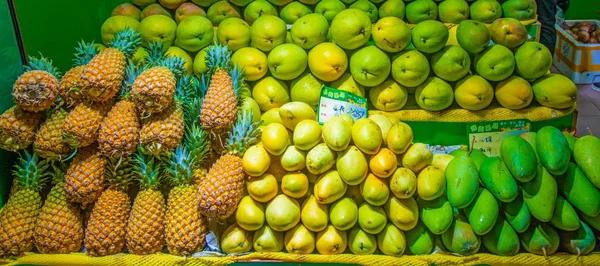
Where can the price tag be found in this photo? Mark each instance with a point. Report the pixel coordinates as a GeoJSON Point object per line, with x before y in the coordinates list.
{"type": "Point", "coordinates": [334, 102]}
{"type": "Point", "coordinates": [487, 136]}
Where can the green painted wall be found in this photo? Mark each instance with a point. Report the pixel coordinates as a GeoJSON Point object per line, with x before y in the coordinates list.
{"type": "Point", "coordinates": [583, 9]}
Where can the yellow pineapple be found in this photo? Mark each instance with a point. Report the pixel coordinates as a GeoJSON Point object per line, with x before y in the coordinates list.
{"type": "Point", "coordinates": [154, 88]}
{"type": "Point", "coordinates": [59, 227]}
{"type": "Point", "coordinates": [37, 89]}
{"type": "Point", "coordinates": [221, 189]}
{"type": "Point", "coordinates": [106, 229]}
{"type": "Point", "coordinates": [103, 75]}
{"type": "Point", "coordinates": [18, 128]}
{"type": "Point", "coordinates": [146, 225]}
{"type": "Point", "coordinates": [49, 143]}
{"type": "Point", "coordinates": [18, 217]}
{"type": "Point", "coordinates": [84, 179]}
{"type": "Point", "coordinates": [71, 83]}
{"type": "Point", "coordinates": [83, 123]}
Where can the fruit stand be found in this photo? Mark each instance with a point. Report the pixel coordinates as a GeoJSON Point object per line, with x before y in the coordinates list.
{"type": "Point", "coordinates": [365, 132]}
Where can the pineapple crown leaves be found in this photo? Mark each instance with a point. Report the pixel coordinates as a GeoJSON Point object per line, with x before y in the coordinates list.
{"type": "Point", "coordinates": [173, 63]}
{"type": "Point", "coordinates": [194, 98]}
{"type": "Point", "coordinates": [156, 53]}
{"type": "Point", "coordinates": [237, 78]}
{"type": "Point", "coordinates": [119, 171]}
{"type": "Point", "coordinates": [127, 41]}
{"type": "Point", "coordinates": [132, 71]}
{"type": "Point", "coordinates": [147, 168]}
{"type": "Point", "coordinates": [41, 63]}
{"type": "Point", "coordinates": [218, 57]}
{"type": "Point", "coordinates": [84, 53]}
{"type": "Point", "coordinates": [31, 171]}
{"type": "Point", "coordinates": [198, 143]}
{"type": "Point", "coordinates": [180, 169]}
{"type": "Point", "coordinates": [244, 133]}
{"type": "Point", "coordinates": [59, 168]}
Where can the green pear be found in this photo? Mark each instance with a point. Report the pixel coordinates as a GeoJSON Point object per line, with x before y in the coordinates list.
{"type": "Point", "coordinates": [460, 238]}
{"type": "Point", "coordinates": [361, 243]}
{"type": "Point", "coordinates": [258, 8]}
{"type": "Point", "coordinates": [329, 8]}
{"type": "Point", "coordinates": [222, 10]}
{"type": "Point", "coordinates": [540, 195]}
{"type": "Point", "coordinates": [421, 10]}
{"type": "Point", "coordinates": [270, 93]}
{"type": "Point", "coordinates": [271, 116]}
{"type": "Point", "coordinates": [250, 214]}
{"type": "Point", "coordinates": [429, 36]}
{"type": "Point", "coordinates": [282, 213]}
{"type": "Point", "coordinates": [267, 32]}
{"type": "Point", "coordinates": [320, 159]}
{"type": "Point", "coordinates": [375, 190]}
{"type": "Point", "coordinates": [287, 61]}
{"type": "Point", "coordinates": [158, 28]}
{"type": "Point", "coordinates": [502, 239]}
{"type": "Point", "coordinates": [419, 240]}
{"type": "Point", "coordinates": [351, 29]}
{"type": "Point", "coordinates": [204, 3]}
{"type": "Point", "coordinates": [293, 159]}
{"type": "Point", "coordinates": [391, 241]}
{"type": "Point", "coordinates": [532, 60]}
{"type": "Point", "coordinates": [391, 34]}
{"type": "Point", "coordinates": [127, 9]}
{"type": "Point", "coordinates": [309, 30]}
{"type": "Point", "coordinates": [368, 7]}
{"type": "Point", "coordinates": [540, 239]}
{"type": "Point", "coordinates": [329, 187]}
{"type": "Point", "coordinates": [370, 66]}
{"type": "Point", "coordinates": [372, 219]}
{"type": "Point", "coordinates": [473, 36]}
{"type": "Point", "coordinates": [240, 2]}
{"type": "Point", "coordinates": [234, 32]}
{"type": "Point", "coordinates": [194, 33]}
{"type": "Point", "coordinates": [436, 215]}
{"type": "Point", "coordinates": [451, 63]}
{"type": "Point", "coordinates": [343, 214]}
{"type": "Point", "coordinates": [453, 11]}
{"type": "Point", "coordinates": [267, 240]}
{"type": "Point", "coordinates": [293, 11]}
{"type": "Point", "coordinates": [115, 24]}
{"type": "Point", "coordinates": [307, 89]}
{"type": "Point", "coordinates": [352, 165]}
{"type": "Point", "coordinates": [299, 240]}
{"type": "Point", "coordinates": [307, 134]}
{"type": "Point", "coordinates": [495, 63]}
{"type": "Point", "coordinates": [485, 11]}
{"type": "Point", "coordinates": [403, 213]}
{"type": "Point", "coordinates": [410, 68]}
{"type": "Point", "coordinates": [434, 94]}
{"type": "Point", "coordinates": [315, 216]}
{"type": "Point", "coordinates": [337, 134]}
{"type": "Point", "coordinates": [392, 8]}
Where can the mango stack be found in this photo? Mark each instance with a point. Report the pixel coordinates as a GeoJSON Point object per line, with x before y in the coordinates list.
{"type": "Point", "coordinates": [364, 187]}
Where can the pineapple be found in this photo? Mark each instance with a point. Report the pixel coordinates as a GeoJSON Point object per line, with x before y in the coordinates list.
{"type": "Point", "coordinates": [49, 142]}
{"type": "Point", "coordinates": [23, 207]}
{"type": "Point", "coordinates": [153, 90]}
{"type": "Point", "coordinates": [119, 131]}
{"type": "Point", "coordinates": [18, 128]}
{"type": "Point", "coordinates": [59, 227]}
{"type": "Point", "coordinates": [146, 225]}
{"type": "Point", "coordinates": [84, 179]}
{"type": "Point", "coordinates": [220, 106]}
{"type": "Point", "coordinates": [103, 75]}
{"type": "Point", "coordinates": [82, 124]}
{"type": "Point", "coordinates": [37, 89]}
{"type": "Point", "coordinates": [186, 228]}
{"type": "Point", "coordinates": [70, 84]}
{"type": "Point", "coordinates": [106, 229]}
{"type": "Point", "coordinates": [221, 189]}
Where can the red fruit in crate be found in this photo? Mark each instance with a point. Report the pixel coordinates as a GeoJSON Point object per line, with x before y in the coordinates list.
{"type": "Point", "coordinates": [583, 36]}
{"type": "Point", "coordinates": [585, 28]}
{"type": "Point", "coordinates": [593, 40]}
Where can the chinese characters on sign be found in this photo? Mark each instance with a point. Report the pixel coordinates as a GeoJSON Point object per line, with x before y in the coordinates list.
{"type": "Point", "coordinates": [335, 102]}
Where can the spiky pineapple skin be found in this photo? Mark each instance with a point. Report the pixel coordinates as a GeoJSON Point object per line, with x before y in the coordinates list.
{"type": "Point", "coordinates": [219, 109]}
{"type": "Point", "coordinates": [17, 222]}
{"type": "Point", "coordinates": [186, 228]}
{"type": "Point", "coordinates": [163, 131]}
{"type": "Point", "coordinates": [146, 226]}
{"type": "Point", "coordinates": [119, 131]}
{"type": "Point", "coordinates": [106, 229]}
{"type": "Point", "coordinates": [35, 90]}
{"type": "Point", "coordinates": [59, 227]}
{"type": "Point", "coordinates": [49, 142]}
{"type": "Point", "coordinates": [83, 123]}
{"type": "Point", "coordinates": [103, 75]}
{"type": "Point", "coordinates": [221, 189]}
{"type": "Point", "coordinates": [153, 90]}
{"type": "Point", "coordinates": [18, 128]}
{"type": "Point", "coordinates": [84, 179]}
{"type": "Point", "coordinates": [70, 86]}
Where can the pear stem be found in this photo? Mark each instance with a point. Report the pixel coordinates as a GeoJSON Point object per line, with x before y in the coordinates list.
{"type": "Point", "coordinates": [471, 149]}
{"type": "Point", "coordinates": [544, 251]}
{"type": "Point", "coordinates": [590, 131]}
{"type": "Point", "coordinates": [578, 253]}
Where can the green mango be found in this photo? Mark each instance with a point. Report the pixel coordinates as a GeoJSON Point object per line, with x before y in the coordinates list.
{"type": "Point", "coordinates": [498, 180]}
{"type": "Point", "coordinates": [436, 214]}
{"type": "Point", "coordinates": [482, 212]}
{"type": "Point", "coordinates": [462, 181]}
{"type": "Point", "coordinates": [519, 157]}
{"type": "Point", "coordinates": [593, 221]}
{"type": "Point", "coordinates": [517, 214]}
{"type": "Point", "coordinates": [540, 239]}
{"type": "Point", "coordinates": [564, 216]}
{"type": "Point", "coordinates": [420, 241]}
{"type": "Point", "coordinates": [587, 157]}
{"type": "Point", "coordinates": [540, 195]}
{"type": "Point", "coordinates": [580, 242]}
{"type": "Point", "coordinates": [579, 191]}
{"type": "Point", "coordinates": [571, 140]}
{"type": "Point", "coordinates": [553, 150]}
{"type": "Point", "coordinates": [530, 137]}
{"type": "Point", "coordinates": [460, 238]}
{"type": "Point", "coordinates": [477, 156]}
{"type": "Point", "coordinates": [502, 240]}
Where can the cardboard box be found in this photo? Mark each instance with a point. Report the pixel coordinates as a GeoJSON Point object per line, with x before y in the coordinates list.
{"type": "Point", "coordinates": [576, 60]}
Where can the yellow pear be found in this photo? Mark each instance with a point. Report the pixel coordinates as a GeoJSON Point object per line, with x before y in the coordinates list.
{"type": "Point", "coordinates": [375, 190]}
{"type": "Point", "coordinates": [299, 240]}
{"type": "Point", "coordinates": [276, 169]}
{"type": "Point", "coordinates": [200, 62]}
{"type": "Point", "coordinates": [404, 213]}
{"type": "Point", "coordinates": [271, 116]}
{"type": "Point", "coordinates": [352, 165]}
{"type": "Point", "coordinates": [384, 163]}
{"type": "Point", "coordinates": [293, 159]}
{"type": "Point", "coordinates": [329, 187]}
{"type": "Point", "coordinates": [236, 240]}
{"type": "Point", "coordinates": [275, 138]}
{"type": "Point", "coordinates": [293, 113]}
{"type": "Point", "coordinates": [391, 241]}
{"type": "Point", "coordinates": [294, 184]}
{"type": "Point", "coordinates": [417, 157]}
{"type": "Point", "coordinates": [403, 183]}
{"type": "Point", "coordinates": [315, 216]}
{"type": "Point", "coordinates": [347, 83]}
{"type": "Point", "coordinates": [385, 124]}
{"type": "Point", "coordinates": [327, 61]}
{"type": "Point", "coordinates": [353, 192]}
{"type": "Point", "coordinates": [256, 160]}
{"type": "Point", "coordinates": [282, 213]}
{"type": "Point", "coordinates": [307, 134]}
{"type": "Point", "coordinates": [270, 93]}
{"type": "Point", "coordinates": [431, 183]}
{"type": "Point", "coordinates": [343, 214]}
{"type": "Point", "coordinates": [331, 241]}
{"type": "Point", "coordinates": [267, 240]}
{"type": "Point", "coordinates": [361, 242]}
{"type": "Point", "coordinates": [252, 61]}
{"type": "Point", "coordinates": [262, 188]}
{"type": "Point", "coordinates": [441, 160]}
{"type": "Point", "coordinates": [320, 159]}
{"type": "Point", "coordinates": [250, 214]}
{"type": "Point", "coordinates": [399, 137]}
{"type": "Point", "coordinates": [366, 135]}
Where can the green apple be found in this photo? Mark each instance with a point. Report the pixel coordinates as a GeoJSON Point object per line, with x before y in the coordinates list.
{"type": "Point", "coordinates": [258, 8]}
{"type": "Point", "coordinates": [495, 63]}
{"type": "Point", "coordinates": [293, 11]}
{"type": "Point", "coordinates": [453, 11]}
{"type": "Point", "coordinates": [367, 7]}
{"type": "Point", "coordinates": [351, 29]}
{"type": "Point", "coordinates": [171, 4]}
{"type": "Point", "coordinates": [188, 9]}
{"type": "Point", "coordinates": [127, 10]}
{"type": "Point", "coordinates": [370, 66]}
{"type": "Point", "coordinates": [200, 62]}
{"type": "Point", "coordinates": [309, 30]}
{"type": "Point", "coordinates": [267, 32]}
{"type": "Point", "coordinates": [430, 36]}
{"type": "Point", "coordinates": [451, 63]}
{"type": "Point", "coordinates": [533, 60]}
{"type": "Point", "coordinates": [287, 61]}
{"type": "Point", "coordinates": [421, 10]}
{"type": "Point", "coordinates": [249, 104]}
{"type": "Point", "coordinates": [194, 33]}
{"type": "Point", "coordinates": [113, 25]}
{"type": "Point", "coordinates": [307, 89]}
{"type": "Point", "coordinates": [391, 34]}
{"type": "Point", "coordinates": [473, 36]}
{"type": "Point", "coordinates": [270, 93]}
{"type": "Point", "coordinates": [485, 11]}
{"type": "Point", "coordinates": [329, 8]}
{"type": "Point", "coordinates": [410, 68]}
{"type": "Point", "coordinates": [158, 28]}
{"type": "Point", "coordinates": [154, 9]}
{"type": "Point", "coordinates": [392, 8]}
{"type": "Point", "coordinates": [252, 61]}
{"type": "Point", "coordinates": [143, 3]}
{"type": "Point", "coordinates": [434, 94]}
{"type": "Point", "coordinates": [347, 83]}
{"type": "Point", "coordinates": [204, 3]}
{"type": "Point", "coordinates": [221, 10]}
{"type": "Point", "coordinates": [235, 33]}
